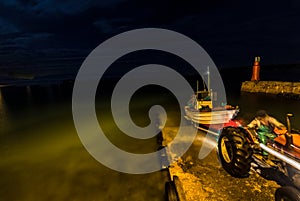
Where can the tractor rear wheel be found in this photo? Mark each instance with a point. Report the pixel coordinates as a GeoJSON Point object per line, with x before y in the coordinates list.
{"type": "Point", "coordinates": [235, 152]}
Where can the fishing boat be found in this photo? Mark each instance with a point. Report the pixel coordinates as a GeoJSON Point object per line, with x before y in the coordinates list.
{"type": "Point", "coordinates": [201, 111]}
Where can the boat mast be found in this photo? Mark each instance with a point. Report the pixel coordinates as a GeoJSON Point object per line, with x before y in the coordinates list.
{"type": "Point", "coordinates": [204, 88]}
{"type": "Point", "coordinates": [208, 79]}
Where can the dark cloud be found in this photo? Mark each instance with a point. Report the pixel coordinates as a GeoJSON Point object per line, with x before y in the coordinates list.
{"type": "Point", "coordinates": [7, 27]}
{"type": "Point", "coordinates": [232, 32]}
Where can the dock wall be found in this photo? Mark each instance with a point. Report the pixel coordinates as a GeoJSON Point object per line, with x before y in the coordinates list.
{"type": "Point", "coordinates": [271, 87]}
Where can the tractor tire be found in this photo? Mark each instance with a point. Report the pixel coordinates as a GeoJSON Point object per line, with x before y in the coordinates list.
{"type": "Point", "coordinates": [235, 152]}
{"type": "Point", "coordinates": [287, 193]}
{"type": "Point", "coordinates": [171, 193]}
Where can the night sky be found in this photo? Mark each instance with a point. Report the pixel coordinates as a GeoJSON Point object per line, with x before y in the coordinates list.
{"type": "Point", "coordinates": [53, 37]}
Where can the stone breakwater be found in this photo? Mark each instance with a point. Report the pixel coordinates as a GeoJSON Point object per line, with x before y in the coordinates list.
{"type": "Point", "coordinates": [289, 89]}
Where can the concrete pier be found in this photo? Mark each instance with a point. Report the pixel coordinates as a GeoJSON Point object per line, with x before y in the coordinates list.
{"type": "Point", "coordinates": [272, 87]}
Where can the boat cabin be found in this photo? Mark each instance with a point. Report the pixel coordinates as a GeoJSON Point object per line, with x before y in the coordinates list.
{"type": "Point", "coordinates": [201, 100]}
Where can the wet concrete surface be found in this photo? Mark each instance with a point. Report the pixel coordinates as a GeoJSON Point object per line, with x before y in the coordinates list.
{"type": "Point", "coordinates": [205, 179]}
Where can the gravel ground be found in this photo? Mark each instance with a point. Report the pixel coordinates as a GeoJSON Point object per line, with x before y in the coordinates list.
{"type": "Point", "coordinates": [205, 179]}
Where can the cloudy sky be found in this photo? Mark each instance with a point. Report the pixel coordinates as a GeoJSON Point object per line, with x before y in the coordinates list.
{"type": "Point", "coordinates": [38, 35]}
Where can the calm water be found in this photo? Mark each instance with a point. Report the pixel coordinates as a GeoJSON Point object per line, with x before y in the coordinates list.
{"type": "Point", "coordinates": [42, 157]}
{"type": "Point", "coordinates": [277, 107]}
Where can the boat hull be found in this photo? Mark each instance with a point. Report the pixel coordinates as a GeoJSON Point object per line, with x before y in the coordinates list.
{"type": "Point", "coordinates": [210, 117]}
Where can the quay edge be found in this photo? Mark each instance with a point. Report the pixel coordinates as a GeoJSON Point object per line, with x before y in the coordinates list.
{"type": "Point", "coordinates": [291, 89]}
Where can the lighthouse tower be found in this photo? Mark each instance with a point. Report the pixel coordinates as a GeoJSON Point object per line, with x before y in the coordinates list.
{"type": "Point", "coordinates": [256, 70]}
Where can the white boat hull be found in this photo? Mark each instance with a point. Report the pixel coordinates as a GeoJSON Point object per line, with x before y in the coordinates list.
{"type": "Point", "coordinates": [210, 117]}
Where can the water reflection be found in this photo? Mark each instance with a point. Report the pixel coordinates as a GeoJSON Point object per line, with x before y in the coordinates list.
{"type": "Point", "coordinates": [42, 157]}
{"type": "Point", "coordinates": [3, 112]}
{"type": "Point", "coordinates": [1, 100]}
{"type": "Point", "coordinates": [29, 94]}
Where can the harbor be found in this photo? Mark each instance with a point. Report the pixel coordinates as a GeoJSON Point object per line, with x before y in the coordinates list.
{"type": "Point", "coordinates": [281, 88]}
{"type": "Point", "coordinates": [131, 100]}
{"type": "Point", "coordinates": [45, 151]}
{"type": "Point", "coordinates": [223, 148]}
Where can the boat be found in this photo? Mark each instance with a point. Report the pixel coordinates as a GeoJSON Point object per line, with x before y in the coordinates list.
{"type": "Point", "coordinates": [201, 111]}
{"type": "Point", "coordinates": [207, 115]}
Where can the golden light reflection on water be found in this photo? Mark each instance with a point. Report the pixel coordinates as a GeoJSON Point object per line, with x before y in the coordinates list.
{"type": "Point", "coordinates": [42, 157]}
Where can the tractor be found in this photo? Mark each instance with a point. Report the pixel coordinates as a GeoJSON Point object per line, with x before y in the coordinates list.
{"type": "Point", "coordinates": [240, 151]}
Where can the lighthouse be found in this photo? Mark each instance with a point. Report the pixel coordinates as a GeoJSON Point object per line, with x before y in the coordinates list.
{"type": "Point", "coordinates": [256, 70]}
